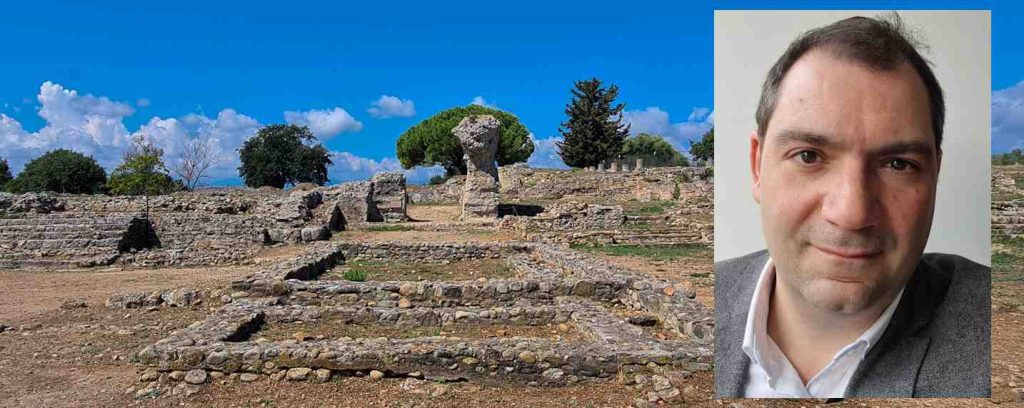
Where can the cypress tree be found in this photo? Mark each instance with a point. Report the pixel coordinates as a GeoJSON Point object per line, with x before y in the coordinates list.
{"type": "Point", "coordinates": [594, 131]}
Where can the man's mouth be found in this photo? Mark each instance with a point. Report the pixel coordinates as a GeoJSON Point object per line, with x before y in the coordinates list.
{"type": "Point", "coordinates": [852, 254]}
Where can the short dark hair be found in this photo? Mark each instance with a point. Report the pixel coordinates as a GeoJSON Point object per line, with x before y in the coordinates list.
{"type": "Point", "coordinates": [880, 43]}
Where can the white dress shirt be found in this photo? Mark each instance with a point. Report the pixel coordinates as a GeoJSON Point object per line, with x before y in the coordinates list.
{"type": "Point", "coordinates": [771, 375]}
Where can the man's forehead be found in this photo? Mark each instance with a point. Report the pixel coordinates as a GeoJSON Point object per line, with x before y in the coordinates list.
{"type": "Point", "coordinates": [830, 96]}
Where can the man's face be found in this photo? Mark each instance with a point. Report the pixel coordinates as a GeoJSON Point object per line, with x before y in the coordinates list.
{"type": "Point", "coordinates": [846, 177]}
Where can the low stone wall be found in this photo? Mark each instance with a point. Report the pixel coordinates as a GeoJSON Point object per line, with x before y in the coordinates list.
{"type": "Point", "coordinates": [552, 285]}
{"type": "Point", "coordinates": [450, 192]}
{"type": "Point", "coordinates": [568, 216]}
{"type": "Point", "coordinates": [1008, 218]}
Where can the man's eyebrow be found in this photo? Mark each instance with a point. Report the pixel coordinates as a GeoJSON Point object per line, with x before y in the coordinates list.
{"type": "Point", "coordinates": [788, 136]}
{"type": "Point", "coordinates": [911, 147]}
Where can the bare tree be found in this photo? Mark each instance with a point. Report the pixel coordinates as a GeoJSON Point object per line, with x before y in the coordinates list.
{"type": "Point", "coordinates": [197, 156]}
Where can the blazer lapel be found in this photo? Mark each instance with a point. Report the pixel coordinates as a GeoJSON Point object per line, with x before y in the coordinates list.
{"type": "Point", "coordinates": [891, 366]}
{"type": "Point", "coordinates": [733, 292]}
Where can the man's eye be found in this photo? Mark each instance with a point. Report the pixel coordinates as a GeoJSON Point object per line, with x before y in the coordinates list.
{"type": "Point", "coordinates": [809, 157]}
{"type": "Point", "coordinates": [899, 165]}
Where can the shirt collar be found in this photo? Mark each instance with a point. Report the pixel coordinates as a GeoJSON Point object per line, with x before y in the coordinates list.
{"type": "Point", "coordinates": [755, 336]}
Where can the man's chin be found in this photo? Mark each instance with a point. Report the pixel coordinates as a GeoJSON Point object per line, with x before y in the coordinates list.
{"type": "Point", "coordinates": [838, 295]}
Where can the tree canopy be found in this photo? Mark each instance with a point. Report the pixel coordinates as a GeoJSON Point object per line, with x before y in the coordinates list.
{"type": "Point", "coordinates": [1015, 156]}
{"type": "Point", "coordinates": [431, 141]}
{"type": "Point", "coordinates": [654, 149]}
{"type": "Point", "coordinates": [594, 131]}
{"type": "Point", "coordinates": [283, 154]}
{"type": "Point", "coordinates": [704, 150]}
{"type": "Point", "coordinates": [61, 171]}
{"type": "Point", "coordinates": [5, 173]}
{"type": "Point", "coordinates": [142, 172]}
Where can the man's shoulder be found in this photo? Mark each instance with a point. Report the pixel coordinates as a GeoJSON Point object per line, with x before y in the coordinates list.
{"type": "Point", "coordinates": [740, 266]}
{"type": "Point", "coordinates": [960, 328]}
{"type": "Point", "coordinates": [961, 287]}
{"type": "Point", "coordinates": [959, 270]}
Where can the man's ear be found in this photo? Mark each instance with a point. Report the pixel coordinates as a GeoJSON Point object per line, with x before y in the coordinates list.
{"type": "Point", "coordinates": [755, 164]}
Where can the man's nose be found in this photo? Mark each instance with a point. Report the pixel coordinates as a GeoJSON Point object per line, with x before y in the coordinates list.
{"type": "Point", "coordinates": [850, 202]}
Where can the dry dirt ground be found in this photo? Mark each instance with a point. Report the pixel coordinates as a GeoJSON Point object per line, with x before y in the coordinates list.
{"type": "Point", "coordinates": [82, 357]}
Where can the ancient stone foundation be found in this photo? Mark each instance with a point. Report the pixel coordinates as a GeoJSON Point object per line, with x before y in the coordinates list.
{"type": "Point", "coordinates": [478, 135]}
{"type": "Point", "coordinates": [610, 308]}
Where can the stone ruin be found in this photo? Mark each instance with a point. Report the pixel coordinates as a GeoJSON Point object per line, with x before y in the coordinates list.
{"type": "Point", "coordinates": [613, 310]}
{"type": "Point", "coordinates": [227, 225]}
{"type": "Point", "coordinates": [390, 196]}
{"type": "Point", "coordinates": [478, 135]}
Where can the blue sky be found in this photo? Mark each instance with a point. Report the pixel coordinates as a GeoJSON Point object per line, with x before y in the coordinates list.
{"type": "Point", "coordinates": [90, 77]}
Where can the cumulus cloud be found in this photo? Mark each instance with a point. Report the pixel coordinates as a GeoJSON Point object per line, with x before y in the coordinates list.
{"type": "Point", "coordinates": [349, 167]}
{"type": "Point", "coordinates": [392, 106]}
{"type": "Point", "coordinates": [479, 100]}
{"type": "Point", "coordinates": [1008, 118]}
{"type": "Point", "coordinates": [653, 120]}
{"type": "Point", "coordinates": [324, 123]}
{"type": "Point", "coordinates": [226, 132]}
{"type": "Point", "coordinates": [85, 123]}
{"type": "Point", "coordinates": [545, 153]}
{"type": "Point", "coordinates": [95, 127]}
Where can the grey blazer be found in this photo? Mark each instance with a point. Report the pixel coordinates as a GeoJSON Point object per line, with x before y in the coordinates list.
{"type": "Point", "coordinates": [938, 343]}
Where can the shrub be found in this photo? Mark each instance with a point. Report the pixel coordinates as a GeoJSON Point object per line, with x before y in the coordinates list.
{"type": "Point", "coordinates": [61, 171]}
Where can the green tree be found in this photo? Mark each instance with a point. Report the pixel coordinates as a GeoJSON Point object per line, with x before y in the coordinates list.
{"type": "Point", "coordinates": [594, 131]}
{"type": "Point", "coordinates": [1015, 156]}
{"type": "Point", "coordinates": [653, 149]}
{"type": "Point", "coordinates": [61, 171]}
{"type": "Point", "coordinates": [5, 174]}
{"type": "Point", "coordinates": [142, 172]}
{"type": "Point", "coordinates": [431, 141]}
{"type": "Point", "coordinates": [704, 150]}
{"type": "Point", "coordinates": [283, 154]}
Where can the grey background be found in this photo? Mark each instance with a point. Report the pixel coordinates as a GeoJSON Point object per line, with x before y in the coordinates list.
{"type": "Point", "coordinates": [747, 43]}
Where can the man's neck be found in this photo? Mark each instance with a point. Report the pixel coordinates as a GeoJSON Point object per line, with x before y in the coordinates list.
{"type": "Point", "coordinates": [810, 336]}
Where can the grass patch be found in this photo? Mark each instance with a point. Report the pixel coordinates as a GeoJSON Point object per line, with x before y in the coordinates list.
{"type": "Point", "coordinates": [649, 208]}
{"type": "Point", "coordinates": [376, 271]}
{"type": "Point", "coordinates": [389, 228]}
{"type": "Point", "coordinates": [333, 329]}
{"type": "Point", "coordinates": [1007, 259]}
{"type": "Point", "coordinates": [355, 275]}
{"type": "Point", "coordinates": [658, 252]}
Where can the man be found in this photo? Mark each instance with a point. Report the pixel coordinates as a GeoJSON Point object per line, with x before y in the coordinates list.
{"type": "Point", "coordinates": [845, 162]}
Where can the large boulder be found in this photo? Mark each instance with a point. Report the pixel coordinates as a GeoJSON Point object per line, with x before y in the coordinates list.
{"type": "Point", "coordinates": [390, 196]}
{"type": "Point", "coordinates": [478, 135]}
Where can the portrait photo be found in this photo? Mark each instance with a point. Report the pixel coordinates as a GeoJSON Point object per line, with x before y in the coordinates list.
{"type": "Point", "coordinates": [852, 200]}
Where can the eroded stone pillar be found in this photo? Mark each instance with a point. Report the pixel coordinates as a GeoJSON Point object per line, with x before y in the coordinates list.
{"type": "Point", "coordinates": [613, 168]}
{"type": "Point", "coordinates": [478, 135]}
{"type": "Point", "coordinates": [639, 165]}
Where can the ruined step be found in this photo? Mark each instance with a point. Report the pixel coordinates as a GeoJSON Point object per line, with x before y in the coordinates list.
{"type": "Point", "coordinates": [60, 235]}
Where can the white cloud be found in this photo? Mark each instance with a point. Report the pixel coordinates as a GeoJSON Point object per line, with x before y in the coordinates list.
{"type": "Point", "coordinates": [349, 167]}
{"type": "Point", "coordinates": [392, 106]}
{"type": "Point", "coordinates": [653, 120]}
{"type": "Point", "coordinates": [1008, 118]}
{"type": "Point", "coordinates": [324, 123]}
{"type": "Point", "coordinates": [142, 103]}
{"type": "Point", "coordinates": [479, 100]}
{"type": "Point", "coordinates": [85, 123]}
{"type": "Point", "coordinates": [226, 132]}
{"type": "Point", "coordinates": [94, 126]}
{"type": "Point", "coordinates": [545, 153]}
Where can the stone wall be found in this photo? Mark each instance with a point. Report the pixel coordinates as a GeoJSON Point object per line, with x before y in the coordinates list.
{"type": "Point", "coordinates": [521, 183]}
{"type": "Point", "coordinates": [390, 197]}
{"type": "Point", "coordinates": [552, 286]}
{"type": "Point", "coordinates": [448, 192]}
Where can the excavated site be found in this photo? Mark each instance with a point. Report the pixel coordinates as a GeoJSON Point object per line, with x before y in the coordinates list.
{"type": "Point", "coordinates": [499, 286]}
